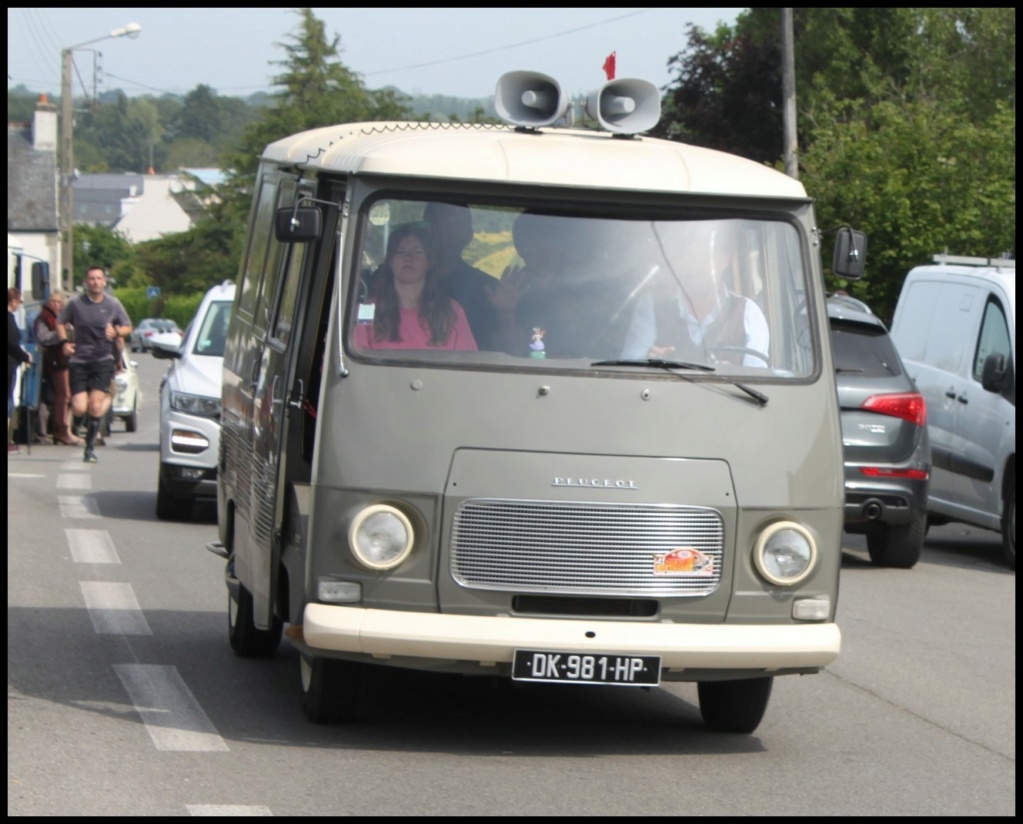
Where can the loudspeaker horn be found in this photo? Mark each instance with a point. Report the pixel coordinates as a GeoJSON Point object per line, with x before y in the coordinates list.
{"type": "Point", "coordinates": [529, 99]}
{"type": "Point", "coordinates": [627, 106]}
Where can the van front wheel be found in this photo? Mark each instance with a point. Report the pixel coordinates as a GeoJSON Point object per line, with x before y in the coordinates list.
{"type": "Point", "coordinates": [331, 689]}
{"type": "Point", "coordinates": [734, 706]}
{"type": "Point", "coordinates": [246, 638]}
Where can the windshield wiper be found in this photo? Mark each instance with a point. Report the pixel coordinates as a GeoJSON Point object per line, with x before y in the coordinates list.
{"type": "Point", "coordinates": [658, 362]}
{"type": "Point", "coordinates": [671, 366]}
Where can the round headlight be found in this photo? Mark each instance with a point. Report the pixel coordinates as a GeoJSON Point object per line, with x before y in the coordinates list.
{"type": "Point", "coordinates": [785, 553]}
{"type": "Point", "coordinates": [380, 537]}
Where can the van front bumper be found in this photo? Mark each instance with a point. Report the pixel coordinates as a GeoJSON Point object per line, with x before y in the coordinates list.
{"type": "Point", "coordinates": [493, 640]}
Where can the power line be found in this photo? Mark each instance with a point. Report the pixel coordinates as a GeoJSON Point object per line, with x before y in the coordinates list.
{"type": "Point", "coordinates": [509, 46]}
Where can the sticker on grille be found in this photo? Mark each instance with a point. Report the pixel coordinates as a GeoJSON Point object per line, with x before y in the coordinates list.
{"type": "Point", "coordinates": [582, 548]}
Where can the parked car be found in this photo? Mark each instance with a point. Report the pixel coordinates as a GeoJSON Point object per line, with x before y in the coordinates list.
{"type": "Point", "coordinates": [141, 335]}
{"type": "Point", "coordinates": [127, 394]}
{"type": "Point", "coordinates": [885, 442]}
{"type": "Point", "coordinates": [955, 327]}
{"type": "Point", "coordinates": [190, 407]}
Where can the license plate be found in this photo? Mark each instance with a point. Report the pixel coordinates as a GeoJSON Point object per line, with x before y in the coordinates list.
{"type": "Point", "coordinates": [586, 668]}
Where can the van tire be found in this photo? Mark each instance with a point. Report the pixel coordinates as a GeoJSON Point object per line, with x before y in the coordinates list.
{"type": "Point", "coordinates": [169, 507]}
{"type": "Point", "coordinates": [1009, 523]}
{"type": "Point", "coordinates": [246, 638]}
{"type": "Point", "coordinates": [734, 706]}
{"type": "Point", "coordinates": [897, 546]}
{"type": "Point", "coordinates": [331, 689]}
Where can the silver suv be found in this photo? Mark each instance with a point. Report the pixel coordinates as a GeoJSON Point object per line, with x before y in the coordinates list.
{"type": "Point", "coordinates": [190, 407]}
{"type": "Point", "coordinates": [884, 437]}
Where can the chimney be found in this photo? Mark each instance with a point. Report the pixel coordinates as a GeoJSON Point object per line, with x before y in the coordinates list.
{"type": "Point", "coordinates": [44, 126]}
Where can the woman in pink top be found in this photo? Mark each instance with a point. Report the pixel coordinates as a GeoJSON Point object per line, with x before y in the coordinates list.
{"type": "Point", "coordinates": [410, 311]}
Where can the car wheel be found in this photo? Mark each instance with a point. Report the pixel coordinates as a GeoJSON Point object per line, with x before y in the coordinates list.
{"type": "Point", "coordinates": [246, 638]}
{"type": "Point", "coordinates": [1009, 524]}
{"type": "Point", "coordinates": [331, 689]}
{"type": "Point", "coordinates": [899, 545]}
{"type": "Point", "coordinates": [734, 706]}
{"type": "Point", "coordinates": [170, 507]}
{"type": "Point", "coordinates": [131, 423]}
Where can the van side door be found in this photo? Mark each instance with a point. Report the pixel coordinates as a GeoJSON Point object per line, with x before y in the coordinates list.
{"type": "Point", "coordinates": [936, 326]}
{"type": "Point", "coordinates": [986, 420]}
{"type": "Point", "coordinates": [253, 420]}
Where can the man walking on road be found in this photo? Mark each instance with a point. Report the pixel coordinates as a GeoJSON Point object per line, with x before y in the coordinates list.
{"type": "Point", "coordinates": [97, 320]}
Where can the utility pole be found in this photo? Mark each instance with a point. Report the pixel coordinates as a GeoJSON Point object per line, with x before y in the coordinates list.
{"type": "Point", "coordinates": [788, 92]}
{"type": "Point", "coordinates": [67, 174]}
{"type": "Point", "coordinates": [66, 210]}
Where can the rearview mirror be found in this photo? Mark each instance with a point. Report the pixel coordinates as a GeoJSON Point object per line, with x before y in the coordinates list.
{"type": "Point", "coordinates": [298, 225]}
{"type": "Point", "coordinates": [850, 254]}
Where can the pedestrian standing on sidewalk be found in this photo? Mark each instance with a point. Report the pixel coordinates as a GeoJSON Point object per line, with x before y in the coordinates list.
{"type": "Point", "coordinates": [16, 356]}
{"type": "Point", "coordinates": [99, 320]}
{"type": "Point", "coordinates": [55, 369]}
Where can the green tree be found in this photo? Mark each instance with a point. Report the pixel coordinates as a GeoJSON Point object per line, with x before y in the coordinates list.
{"type": "Point", "coordinates": [316, 89]}
{"type": "Point", "coordinates": [102, 246]}
{"type": "Point", "coordinates": [906, 124]}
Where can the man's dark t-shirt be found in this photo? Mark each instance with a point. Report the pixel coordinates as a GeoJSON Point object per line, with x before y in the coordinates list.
{"type": "Point", "coordinates": [468, 286]}
{"type": "Point", "coordinates": [90, 321]}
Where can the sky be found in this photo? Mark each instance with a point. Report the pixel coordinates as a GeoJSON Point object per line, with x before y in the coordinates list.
{"type": "Point", "coordinates": [456, 52]}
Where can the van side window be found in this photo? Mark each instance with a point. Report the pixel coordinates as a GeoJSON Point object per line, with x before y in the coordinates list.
{"type": "Point", "coordinates": [994, 337]}
{"type": "Point", "coordinates": [285, 319]}
{"type": "Point", "coordinates": [258, 244]}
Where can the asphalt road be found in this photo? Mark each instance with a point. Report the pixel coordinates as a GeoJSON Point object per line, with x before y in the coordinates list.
{"type": "Point", "coordinates": [124, 697]}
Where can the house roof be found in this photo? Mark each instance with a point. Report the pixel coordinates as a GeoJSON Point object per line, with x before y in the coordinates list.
{"type": "Point", "coordinates": [31, 183]}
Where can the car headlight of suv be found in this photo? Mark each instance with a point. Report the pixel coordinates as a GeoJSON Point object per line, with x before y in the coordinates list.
{"type": "Point", "coordinates": [380, 537]}
{"type": "Point", "coordinates": [200, 405]}
{"type": "Point", "coordinates": [785, 553]}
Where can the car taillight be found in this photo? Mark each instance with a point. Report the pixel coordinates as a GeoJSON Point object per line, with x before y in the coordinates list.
{"type": "Point", "coordinates": [909, 406]}
{"type": "Point", "coordinates": [889, 472]}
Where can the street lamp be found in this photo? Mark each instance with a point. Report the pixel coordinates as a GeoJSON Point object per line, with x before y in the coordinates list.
{"type": "Point", "coordinates": [67, 153]}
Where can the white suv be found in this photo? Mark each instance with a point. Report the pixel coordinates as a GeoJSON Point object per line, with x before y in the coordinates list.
{"type": "Point", "coordinates": [190, 406]}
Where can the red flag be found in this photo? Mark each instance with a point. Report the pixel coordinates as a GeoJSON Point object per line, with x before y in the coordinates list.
{"type": "Point", "coordinates": [609, 66]}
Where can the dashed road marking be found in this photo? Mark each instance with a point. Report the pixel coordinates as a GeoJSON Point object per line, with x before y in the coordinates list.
{"type": "Point", "coordinates": [227, 809]}
{"type": "Point", "coordinates": [173, 718]}
{"type": "Point", "coordinates": [91, 546]}
{"type": "Point", "coordinates": [76, 481]}
{"type": "Point", "coordinates": [78, 506]}
{"type": "Point", "coordinates": [113, 608]}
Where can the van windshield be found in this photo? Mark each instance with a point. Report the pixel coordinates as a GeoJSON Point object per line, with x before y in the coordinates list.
{"type": "Point", "coordinates": [544, 288]}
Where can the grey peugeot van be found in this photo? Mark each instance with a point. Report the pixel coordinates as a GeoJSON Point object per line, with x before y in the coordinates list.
{"type": "Point", "coordinates": [414, 475]}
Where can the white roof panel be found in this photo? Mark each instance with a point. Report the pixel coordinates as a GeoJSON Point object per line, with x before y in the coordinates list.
{"type": "Point", "coordinates": [551, 157]}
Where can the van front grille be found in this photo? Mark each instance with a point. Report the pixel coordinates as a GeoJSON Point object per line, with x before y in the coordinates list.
{"type": "Point", "coordinates": [586, 548]}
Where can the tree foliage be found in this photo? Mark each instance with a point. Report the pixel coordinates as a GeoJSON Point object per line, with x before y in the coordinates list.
{"type": "Point", "coordinates": [906, 124]}
{"type": "Point", "coordinates": [316, 89]}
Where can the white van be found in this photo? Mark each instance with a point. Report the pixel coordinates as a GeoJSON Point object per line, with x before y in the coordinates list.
{"type": "Point", "coordinates": [580, 490]}
{"type": "Point", "coordinates": [955, 328]}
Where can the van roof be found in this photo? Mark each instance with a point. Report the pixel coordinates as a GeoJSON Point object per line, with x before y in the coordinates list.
{"type": "Point", "coordinates": [1004, 276]}
{"type": "Point", "coordinates": [550, 157]}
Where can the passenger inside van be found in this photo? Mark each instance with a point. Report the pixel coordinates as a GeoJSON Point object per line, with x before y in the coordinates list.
{"type": "Point", "coordinates": [451, 225]}
{"type": "Point", "coordinates": [569, 291]}
{"type": "Point", "coordinates": [692, 314]}
{"type": "Point", "coordinates": [410, 308]}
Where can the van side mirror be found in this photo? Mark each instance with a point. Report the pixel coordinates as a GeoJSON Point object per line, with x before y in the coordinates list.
{"type": "Point", "coordinates": [850, 254]}
{"type": "Point", "coordinates": [298, 225]}
{"type": "Point", "coordinates": [993, 375]}
{"type": "Point", "coordinates": [41, 280]}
